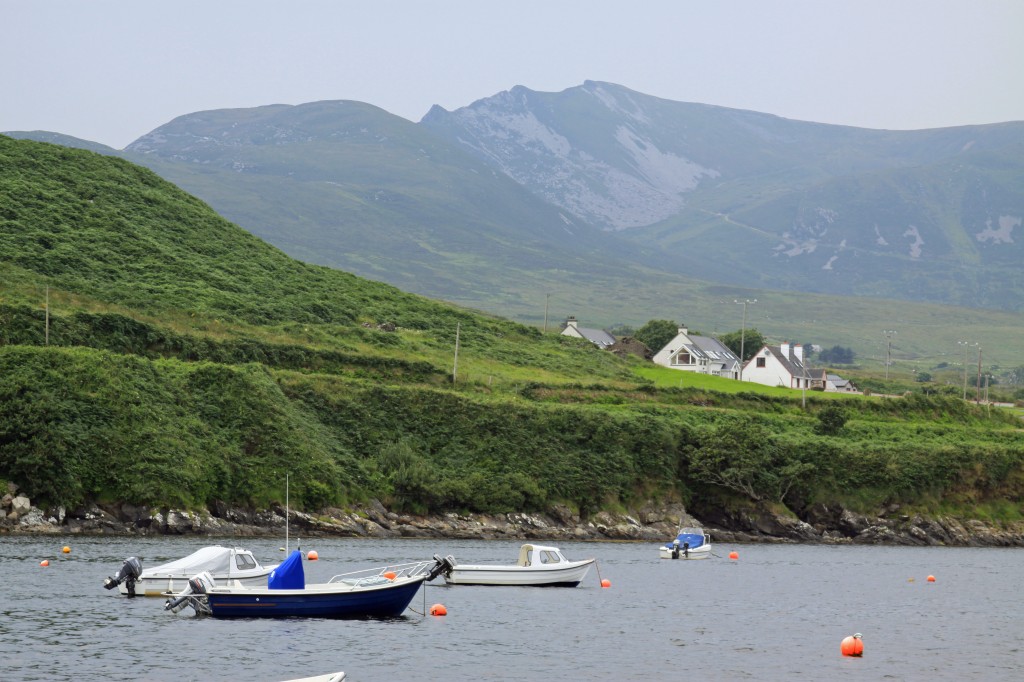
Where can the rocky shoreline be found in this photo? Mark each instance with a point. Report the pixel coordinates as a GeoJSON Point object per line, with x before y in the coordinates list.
{"type": "Point", "coordinates": [652, 523]}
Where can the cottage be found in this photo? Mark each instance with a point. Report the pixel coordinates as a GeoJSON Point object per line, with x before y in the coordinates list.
{"type": "Point", "coordinates": [837, 384]}
{"type": "Point", "coordinates": [598, 337]}
{"type": "Point", "coordinates": [782, 365]}
{"type": "Point", "coordinates": [701, 354]}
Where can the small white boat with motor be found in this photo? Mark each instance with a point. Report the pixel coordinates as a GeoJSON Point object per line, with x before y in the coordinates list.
{"type": "Point", "coordinates": [329, 677]}
{"type": "Point", "coordinates": [226, 564]}
{"type": "Point", "coordinates": [537, 566]}
{"type": "Point", "coordinates": [691, 543]}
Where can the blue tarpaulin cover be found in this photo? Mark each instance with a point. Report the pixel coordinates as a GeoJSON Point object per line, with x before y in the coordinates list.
{"type": "Point", "coordinates": [694, 540]}
{"type": "Point", "coordinates": [289, 574]}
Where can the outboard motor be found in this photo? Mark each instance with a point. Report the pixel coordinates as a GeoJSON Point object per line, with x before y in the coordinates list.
{"type": "Point", "coordinates": [198, 584]}
{"type": "Point", "coordinates": [129, 573]}
{"type": "Point", "coordinates": [444, 566]}
{"type": "Point", "coordinates": [675, 548]}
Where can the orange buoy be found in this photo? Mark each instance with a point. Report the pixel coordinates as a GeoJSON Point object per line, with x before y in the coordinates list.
{"type": "Point", "coordinates": [390, 575]}
{"type": "Point", "coordinates": [734, 555]}
{"type": "Point", "coordinates": [312, 555]}
{"type": "Point", "coordinates": [852, 646]}
{"type": "Point", "coordinates": [606, 583]}
{"type": "Point", "coordinates": [438, 610]}
{"type": "Point", "coordinates": [44, 562]}
{"type": "Point", "coordinates": [66, 550]}
{"type": "Point", "coordinates": [931, 578]}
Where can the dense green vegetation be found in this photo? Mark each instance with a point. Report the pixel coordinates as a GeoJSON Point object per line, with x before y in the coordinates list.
{"type": "Point", "coordinates": [179, 361]}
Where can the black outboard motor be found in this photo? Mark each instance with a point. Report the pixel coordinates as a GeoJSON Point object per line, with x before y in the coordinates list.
{"type": "Point", "coordinates": [129, 573]}
{"type": "Point", "coordinates": [675, 548]}
{"type": "Point", "coordinates": [444, 565]}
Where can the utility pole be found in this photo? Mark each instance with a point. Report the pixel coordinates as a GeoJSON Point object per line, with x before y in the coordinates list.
{"type": "Point", "coordinates": [967, 346]}
{"type": "Point", "coordinates": [888, 333]}
{"type": "Point", "coordinates": [743, 330]}
{"type": "Point", "coordinates": [978, 401]}
{"type": "Point", "coordinates": [547, 298]}
{"type": "Point", "coordinates": [47, 332]}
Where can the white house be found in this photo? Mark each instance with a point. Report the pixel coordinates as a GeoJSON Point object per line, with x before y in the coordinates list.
{"type": "Point", "coordinates": [701, 354]}
{"type": "Point", "coordinates": [781, 365]}
{"type": "Point", "coordinates": [598, 337]}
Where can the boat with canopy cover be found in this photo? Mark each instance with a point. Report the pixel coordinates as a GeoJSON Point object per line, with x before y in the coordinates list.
{"type": "Point", "coordinates": [223, 563]}
{"type": "Point", "coordinates": [690, 543]}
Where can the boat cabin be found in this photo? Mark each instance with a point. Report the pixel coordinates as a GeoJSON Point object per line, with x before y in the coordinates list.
{"type": "Point", "coordinates": [539, 555]}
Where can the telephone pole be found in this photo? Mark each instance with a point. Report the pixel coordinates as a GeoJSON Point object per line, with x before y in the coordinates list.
{"type": "Point", "coordinates": [978, 401]}
{"type": "Point", "coordinates": [888, 333]}
{"type": "Point", "coordinates": [743, 330]}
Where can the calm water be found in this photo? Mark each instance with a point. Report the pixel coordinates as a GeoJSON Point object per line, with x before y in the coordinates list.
{"type": "Point", "coordinates": [779, 612]}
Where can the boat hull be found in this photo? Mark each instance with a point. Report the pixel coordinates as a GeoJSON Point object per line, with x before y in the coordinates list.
{"type": "Point", "coordinates": [325, 601]}
{"type": "Point", "coordinates": [702, 552]}
{"type": "Point", "coordinates": [558, 576]}
{"type": "Point", "coordinates": [159, 586]}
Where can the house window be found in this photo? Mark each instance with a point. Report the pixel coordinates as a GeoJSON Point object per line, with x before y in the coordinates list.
{"type": "Point", "coordinates": [760, 362]}
{"type": "Point", "coordinates": [683, 359]}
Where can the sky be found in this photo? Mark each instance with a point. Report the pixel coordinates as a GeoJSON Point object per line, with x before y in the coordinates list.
{"type": "Point", "coordinates": [111, 71]}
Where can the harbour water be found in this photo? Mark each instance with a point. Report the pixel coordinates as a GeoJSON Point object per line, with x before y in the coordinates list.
{"type": "Point", "coordinates": [778, 612]}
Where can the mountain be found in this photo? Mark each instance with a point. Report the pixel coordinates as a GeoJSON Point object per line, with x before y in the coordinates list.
{"type": "Point", "coordinates": [351, 186]}
{"type": "Point", "coordinates": [660, 210]}
{"type": "Point", "coordinates": [761, 201]}
{"type": "Point", "coordinates": [63, 140]}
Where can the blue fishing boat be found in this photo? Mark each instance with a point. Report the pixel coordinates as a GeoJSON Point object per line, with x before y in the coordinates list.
{"type": "Point", "coordinates": [690, 543]}
{"type": "Point", "coordinates": [377, 592]}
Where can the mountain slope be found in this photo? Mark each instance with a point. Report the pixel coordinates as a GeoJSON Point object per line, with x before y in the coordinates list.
{"type": "Point", "coordinates": [747, 198]}
{"type": "Point", "coordinates": [348, 185]}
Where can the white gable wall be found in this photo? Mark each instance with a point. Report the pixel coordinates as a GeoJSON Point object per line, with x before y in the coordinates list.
{"type": "Point", "coordinates": [774, 373]}
{"type": "Point", "coordinates": [668, 356]}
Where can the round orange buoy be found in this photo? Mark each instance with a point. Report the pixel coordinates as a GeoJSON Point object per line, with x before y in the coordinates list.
{"type": "Point", "coordinates": [734, 555]}
{"type": "Point", "coordinates": [312, 556]}
{"type": "Point", "coordinates": [852, 646]}
{"type": "Point", "coordinates": [931, 578]}
{"type": "Point", "coordinates": [390, 575]}
{"type": "Point", "coordinates": [438, 610]}
{"type": "Point", "coordinates": [606, 583]}
{"type": "Point", "coordinates": [44, 562]}
{"type": "Point", "coordinates": [66, 550]}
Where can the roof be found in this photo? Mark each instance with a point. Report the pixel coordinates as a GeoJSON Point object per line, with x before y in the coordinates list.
{"type": "Point", "coordinates": [790, 363]}
{"type": "Point", "coordinates": [714, 349]}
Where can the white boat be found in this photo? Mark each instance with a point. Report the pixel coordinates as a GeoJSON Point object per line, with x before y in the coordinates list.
{"type": "Point", "coordinates": [225, 564]}
{"type": "Point", "coordinates": [690, 543]}
{"type": "Point", "coordinates": [329, 677]}
{"type": "Point", "coordinates": [538, 566]}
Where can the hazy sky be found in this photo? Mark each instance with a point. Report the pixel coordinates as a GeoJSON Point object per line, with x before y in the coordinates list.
{"type": "Point", "coordinates": [112, 70]}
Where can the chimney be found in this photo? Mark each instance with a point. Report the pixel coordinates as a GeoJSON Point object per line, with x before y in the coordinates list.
{"type": "Point", "coordinates": [571, 322]}
{"type": "Point", "coordinates": [798, 351]}
{"type": "Point", "coordinates": [682, 330]}
{"type": "Point", "coordinates": [784, 347]}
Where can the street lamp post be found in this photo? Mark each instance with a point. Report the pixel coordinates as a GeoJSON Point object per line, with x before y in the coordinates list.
{"type": "Point", "coordinates": [743, 330]}
{"type": "Point", "coordinates": [967, 346]}
{"type": "Point", "coordinates": [888, 333]}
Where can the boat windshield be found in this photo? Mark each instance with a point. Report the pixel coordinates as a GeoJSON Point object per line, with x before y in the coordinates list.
{"type": "Point", "coordinates": [245, 561]}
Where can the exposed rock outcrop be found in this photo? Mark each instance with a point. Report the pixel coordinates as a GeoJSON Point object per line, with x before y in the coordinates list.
{"type": "Point", "coordinates": [651, 522]}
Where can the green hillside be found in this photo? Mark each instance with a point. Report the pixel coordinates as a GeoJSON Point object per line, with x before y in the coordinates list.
{"type": "Point", "coordinates": [155, 354]}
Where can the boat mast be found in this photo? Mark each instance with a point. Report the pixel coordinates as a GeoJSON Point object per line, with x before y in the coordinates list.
{"type": "Point", "coordinates": [286, 514]}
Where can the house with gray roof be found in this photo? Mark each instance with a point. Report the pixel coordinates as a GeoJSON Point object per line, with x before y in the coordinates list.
{"type": "Point", "coordinates": [598, 337]}
{"type": "Point", "coordinates": [782, 365]}
{"type": "Point", "coordinates": [702, 354]}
